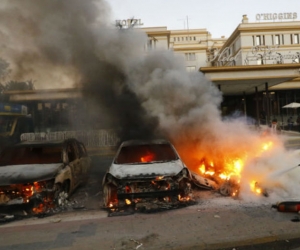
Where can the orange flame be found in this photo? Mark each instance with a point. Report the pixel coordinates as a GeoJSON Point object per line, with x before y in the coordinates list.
{"type": "Point", "coordinates": [231, 165]}
{"type": "Point", "coordinates": [148, 158]}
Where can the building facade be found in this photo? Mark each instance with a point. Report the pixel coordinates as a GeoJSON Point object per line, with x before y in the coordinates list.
{"type": "Point", "coordinates": [257, 68]}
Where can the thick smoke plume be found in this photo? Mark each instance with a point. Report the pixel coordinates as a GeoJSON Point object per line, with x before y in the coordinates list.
{"type": "Point", "coordinates": [141, 93]}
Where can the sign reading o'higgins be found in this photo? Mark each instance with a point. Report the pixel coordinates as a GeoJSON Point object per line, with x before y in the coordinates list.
{"type": "Point", "coordinates": [276, 16]}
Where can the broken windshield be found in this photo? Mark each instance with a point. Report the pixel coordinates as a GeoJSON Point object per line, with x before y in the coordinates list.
{"type": "Point", "coordinates": [149, 153]}
{"type": "Point", "coordinates": [31, 155]}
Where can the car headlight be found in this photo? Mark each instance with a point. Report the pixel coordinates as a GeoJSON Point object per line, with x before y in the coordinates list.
{"type": "Point", "coordinates": [110, 179]}
{"type": "Point", "coordinates": [41, 186]}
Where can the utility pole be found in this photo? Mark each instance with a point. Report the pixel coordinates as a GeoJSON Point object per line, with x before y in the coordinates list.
{"type": "Point", "coordinates": [185, 20]}
{"type": "Point", "coordinates": [187, 23]}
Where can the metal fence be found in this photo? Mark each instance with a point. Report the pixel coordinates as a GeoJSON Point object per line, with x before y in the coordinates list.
{"type": "Point", "coordinates": [94, 138]}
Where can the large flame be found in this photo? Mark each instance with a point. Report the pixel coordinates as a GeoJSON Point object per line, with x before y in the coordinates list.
{"type": "Point", "coordinates": [228, 163]}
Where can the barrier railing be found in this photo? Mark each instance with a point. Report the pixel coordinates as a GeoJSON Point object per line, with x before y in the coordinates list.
{"type": "Point", "coordinates": [94, 138]}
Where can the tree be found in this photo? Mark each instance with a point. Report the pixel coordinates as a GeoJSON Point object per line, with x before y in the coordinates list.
{"type": "Point", "coordinates": [15, 85]}
{"type": "Point", "coordinates": [3, 68]}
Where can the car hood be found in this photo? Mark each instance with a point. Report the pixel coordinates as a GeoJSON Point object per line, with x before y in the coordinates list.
{"type": "Point", "coordinates": [18, 174]}
{"type": "Point", "coordinates": [146, 170]}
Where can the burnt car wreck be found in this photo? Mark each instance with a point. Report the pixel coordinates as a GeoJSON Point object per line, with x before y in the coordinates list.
{"type": "Point", "coordinates": [147, 176]}
{"type": "Point", "coordinates": [42, 175]}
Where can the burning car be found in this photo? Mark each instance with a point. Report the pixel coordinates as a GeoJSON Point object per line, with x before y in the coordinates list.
{"type": "Point", "coordinates": [42, 174]}
{"type": "Point", "coordinates": [147, 175]}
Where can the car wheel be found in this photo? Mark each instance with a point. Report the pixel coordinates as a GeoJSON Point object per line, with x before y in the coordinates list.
{"type": "Point", "coordinates": [109, 195]}
{"type": "Point", "coordinates": [62, 194]}
{"type": "Point", "coordinates": [229, 188]}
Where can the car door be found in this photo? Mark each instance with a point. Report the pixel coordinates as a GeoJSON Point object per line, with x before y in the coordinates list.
{"type": "Point", "coordinates": [74, 163]}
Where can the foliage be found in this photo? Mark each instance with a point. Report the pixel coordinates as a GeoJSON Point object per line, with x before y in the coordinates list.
{"type": "Point", "coordinates": [16, 85]}
{"type": "Point", "coordinates": [3, 67]}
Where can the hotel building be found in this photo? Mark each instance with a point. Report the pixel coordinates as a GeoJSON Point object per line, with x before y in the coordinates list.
{"type": "Point", "coordinates": [257, 68]}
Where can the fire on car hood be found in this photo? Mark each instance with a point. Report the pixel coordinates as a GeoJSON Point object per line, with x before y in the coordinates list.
{"type": "Point", "coordinates": [18, 174]}
{"type": "Point", "coordinates": [145, 170]}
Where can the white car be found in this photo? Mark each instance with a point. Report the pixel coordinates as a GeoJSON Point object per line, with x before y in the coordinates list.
{"type": "Point", "coordinates": [146, 174]}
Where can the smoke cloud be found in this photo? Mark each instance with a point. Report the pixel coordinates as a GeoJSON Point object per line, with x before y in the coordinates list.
{"type": "Point", "coordinates": [143, 94]}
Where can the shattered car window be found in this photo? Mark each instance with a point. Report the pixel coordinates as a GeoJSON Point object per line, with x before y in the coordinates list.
{"type": "Point", "coordinates": [31, 155]}
{"type": "Point", "coordinates": [146, 154]}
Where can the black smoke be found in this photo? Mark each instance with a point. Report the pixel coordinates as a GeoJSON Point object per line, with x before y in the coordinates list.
{"type": "Point", "coordinates": [74, 43]}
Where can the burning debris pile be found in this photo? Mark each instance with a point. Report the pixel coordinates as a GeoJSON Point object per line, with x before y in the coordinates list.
{"type": "Point", "coordinates": [225, 176]}
{"type": "Point", "coordinates": [36, 200]}
{"type": "Point", "coordinates": [263, 171]}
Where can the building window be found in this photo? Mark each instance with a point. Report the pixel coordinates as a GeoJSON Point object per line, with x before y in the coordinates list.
{"type": "Point", "coordinates": [191, 68]}
{"type": "Point", "coordinates": [194, 38]}
{"type": "Point", "coordinates": [174, 39]}
{"type": "Point", "coordinates": [190, 56]}
{"type": "Point", "coordinates": [182, 38]}
{"type": "Point", "coordinates": [277, 40]}
{"type": "Point", "coordinates": [190, 38]}
{"type": "Point", "coordinates": [295, 38]}
{"type": "Point", "coordinates": [257, 40]}
{"type": "Point", "coordinates": [151, 43]}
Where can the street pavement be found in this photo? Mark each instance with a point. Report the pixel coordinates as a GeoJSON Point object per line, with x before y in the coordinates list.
{"type": "Point", "coordinates": [215, 222]}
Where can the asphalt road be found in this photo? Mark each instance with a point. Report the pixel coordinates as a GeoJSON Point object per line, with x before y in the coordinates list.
{"type": "Point", "coordinates": [215, 222]}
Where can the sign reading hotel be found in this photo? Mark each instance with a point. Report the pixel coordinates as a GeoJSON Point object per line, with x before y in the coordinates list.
{"type": "Point", "coordinates": [129, 22]}
{"type": "Point", "coordinates": [276, 16]}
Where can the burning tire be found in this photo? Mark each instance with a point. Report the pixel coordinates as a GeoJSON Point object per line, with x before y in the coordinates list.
{"type": "Point", "coordinates": [110, 196]}
{"type": "Point", "coordinates": [229, 188]}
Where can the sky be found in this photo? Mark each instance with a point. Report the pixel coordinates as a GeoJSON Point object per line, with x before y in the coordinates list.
{"type": "Point", "coordinates": [219, 17]}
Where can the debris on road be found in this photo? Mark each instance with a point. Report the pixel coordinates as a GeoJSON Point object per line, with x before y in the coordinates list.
{"type": "Point", "coordinates": [296, 219]}
{"type": "Point", "coordinates": [138, 243]}
{"type": "Point", "coordinates": [6, 217]}
{"type": "Point", "coordinates": [287, 206]}
{"type": "Point", "coordinates": [55, 220]}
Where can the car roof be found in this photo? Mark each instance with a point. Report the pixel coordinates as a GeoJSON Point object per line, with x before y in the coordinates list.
{"type": "Point", "coordinates": [43, 143]}
{"type": "Point", "coordinates": [144, 142]}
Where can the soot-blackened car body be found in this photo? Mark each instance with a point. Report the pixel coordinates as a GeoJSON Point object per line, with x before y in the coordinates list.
{"type": "Point", "coordinates": [146, 172]}
{"type": "Point", "coordinates": [46, 171]}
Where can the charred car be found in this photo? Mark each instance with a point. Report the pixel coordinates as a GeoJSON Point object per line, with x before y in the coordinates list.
{"type": "Point", "coordinates": [42, 173]}
{"type": "Point", "coordinates": [146, 175]}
